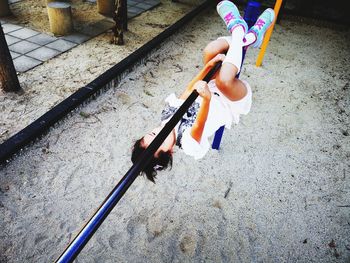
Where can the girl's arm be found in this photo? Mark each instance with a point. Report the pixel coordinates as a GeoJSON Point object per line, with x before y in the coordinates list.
{"type": "Point", "coordinates": [198, 125]}
{"type": "Point", "coordinates": [201, 75]}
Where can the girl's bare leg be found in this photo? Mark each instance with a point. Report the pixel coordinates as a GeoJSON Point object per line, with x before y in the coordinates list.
{"type": "Point", "coordinates": [226, 80]}
{"type": "Point", "coordinates": [228, 84]}
{"type": "Point", "coordinates": [219, 46]}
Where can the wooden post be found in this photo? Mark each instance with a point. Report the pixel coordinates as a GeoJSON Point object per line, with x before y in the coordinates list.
{"type": "Point", "coordinates": [60, 17]}
{"type": "Point", "coordinates": [106, 7]}
{"type": "Point", "coordinates": [118, 18]}
{"type": "Point", "coordinates": [4, 8]}
{"type": "Point", "coordinates": [8, 76]}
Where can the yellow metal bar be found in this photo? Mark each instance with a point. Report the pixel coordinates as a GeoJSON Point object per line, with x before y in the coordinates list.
{"type": "Point", "coordinates": [268, 35]}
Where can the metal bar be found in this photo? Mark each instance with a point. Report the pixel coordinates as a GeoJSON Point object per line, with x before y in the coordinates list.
{"type": "Point", "coordinates": [217, 138]}
{"type": "Point", "coordinates": [74, 248]}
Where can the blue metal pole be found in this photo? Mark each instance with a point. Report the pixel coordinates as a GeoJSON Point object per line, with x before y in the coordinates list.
{"type": "Point", "coordinates": [112, 199]}
{"type": "Point", "coordinates": [251, 14]}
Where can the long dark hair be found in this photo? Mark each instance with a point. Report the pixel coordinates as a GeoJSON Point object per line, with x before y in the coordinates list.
{"type": "Point", "coordinates": [161, 162]}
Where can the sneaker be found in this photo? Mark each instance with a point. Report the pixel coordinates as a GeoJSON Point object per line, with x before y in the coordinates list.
{"type": "Point", "coordinates": [231, 16]}
{"type": "Point", "coordinates": [261, 25]}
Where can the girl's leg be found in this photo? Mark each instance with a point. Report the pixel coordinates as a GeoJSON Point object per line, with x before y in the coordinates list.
{"type": "Point", "coordinates": [256, 33]}
{"type": "Point", "coordinates": [249, 39]}
{"type": "Point", "coordinates": [226, 81]}
{"type": "Point", "coordinates": [219, 46]}
{"type": "Point", "coordinates": [232, 87]}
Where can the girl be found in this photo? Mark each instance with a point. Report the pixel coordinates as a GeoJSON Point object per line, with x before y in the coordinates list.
{"type": "Point", "coordinates": [220, 102]}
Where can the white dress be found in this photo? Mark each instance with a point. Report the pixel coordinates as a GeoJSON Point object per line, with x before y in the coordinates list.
{"type": "Point", "coordinates": [222, 112]}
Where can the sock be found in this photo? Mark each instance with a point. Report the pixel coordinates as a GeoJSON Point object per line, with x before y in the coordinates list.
{"type": "Point", "coordinates": [234, 53]}
{"type": "Point", "coordinates": [250, 38]}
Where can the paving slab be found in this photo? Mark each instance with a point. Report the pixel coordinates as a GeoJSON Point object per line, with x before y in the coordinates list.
{"type": "Point", "coordinates": [24, 63]}
{"type": "Point", "coordinates": [132, 2]}
{"type": "Point", "coordinates": [76, 38]}
{"type": "Point", "coordinates": [42, 39]}
{"type": "Point", "coordinates": [14, 54]}
{"type": "Point", "coordinates": [144, 5]}
{"type": "Point", "coordinates": [61, 45]}
{"type": "Point", "coordinates": [23, 47]}
{"type": "Point", "coordinates": [24, 33]}
{"type": "Point", "coordinates": [7, 28]}
{"type": "Point", "coordinates": [152, 2]}
{"type": "Point", "coordinates": [43, 53]}
{"type": "Point", "coordinates": [131, 15]}
{"type": "Point", "coordinates": [134, 9]}
{"type": "Point", "coordinates": [11, 40]}
{"type": "Point", "coordinates": [105, 24]}
{"type": "Point", "coordinates": [96, 28]}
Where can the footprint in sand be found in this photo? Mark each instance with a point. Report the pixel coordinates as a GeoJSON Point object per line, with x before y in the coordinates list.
{"type": "Point", "coordinates": [188, 245]}
{"type": "Point", "coordinates": [114, 241]}
{"type": "Point", "coordinates": [39, 239]}
{"type": "Point", "coordinates": [62, 225]}
{"type": "Point", "coordinates": [136, 227]}
{"type": "Point", "coordinates": [154, 227]}
{"type": "Point", "coordinates": [124, 98]}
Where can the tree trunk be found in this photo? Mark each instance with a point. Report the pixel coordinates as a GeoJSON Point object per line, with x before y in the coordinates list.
{"type": "Point", "coordinates": [4, 8]}
{"type": "Point", "coordinates": [124, 11]}
{"type": "Point", "coordinates": [8, 76]}
{"type": "Point", "coordinates": [118, 18]}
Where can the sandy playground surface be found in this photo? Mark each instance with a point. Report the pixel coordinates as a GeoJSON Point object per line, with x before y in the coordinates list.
{"type": "Point", "coordinates": [277, 191]}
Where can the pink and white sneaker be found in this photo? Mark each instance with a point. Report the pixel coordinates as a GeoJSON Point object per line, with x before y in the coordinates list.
{"type": "Point", "coordinates": [231, 16]}
{"type": "Point", "coordinates": [261, 25]}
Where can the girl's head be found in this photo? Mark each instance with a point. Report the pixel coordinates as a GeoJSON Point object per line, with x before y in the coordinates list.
{"type": "Point", "coordinates": [161, 158]}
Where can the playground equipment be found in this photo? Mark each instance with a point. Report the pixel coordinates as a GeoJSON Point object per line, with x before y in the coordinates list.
{"type": "Point", "coordinates": [112, 199]}
{"type": "Point", "coordinates": [78, 243]}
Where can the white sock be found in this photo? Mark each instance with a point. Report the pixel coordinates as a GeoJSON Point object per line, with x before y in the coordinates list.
{"type": "Point", "coordinates": [250, 38]}
{"type": "Point", "coordinates": [234, 53]}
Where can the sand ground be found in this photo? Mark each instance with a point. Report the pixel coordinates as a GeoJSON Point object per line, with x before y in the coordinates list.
{"type": "Point", "coordinates": [277, 191]}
